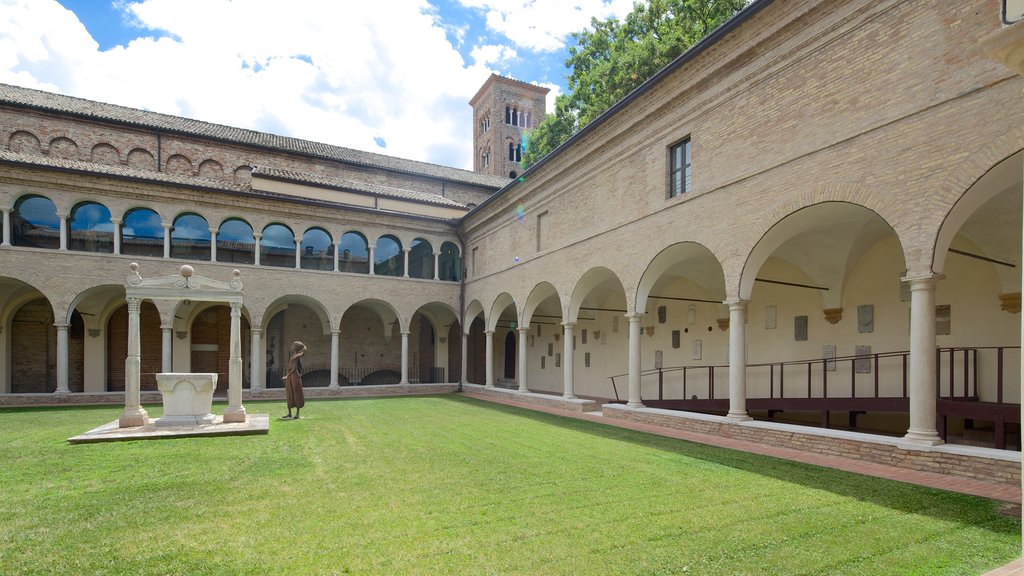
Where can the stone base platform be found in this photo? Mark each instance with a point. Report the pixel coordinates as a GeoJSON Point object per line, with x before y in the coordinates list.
{"type": "Point", "coordinates": [254, 424]}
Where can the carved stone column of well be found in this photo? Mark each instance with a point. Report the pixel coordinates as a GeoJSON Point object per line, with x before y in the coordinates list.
{"type": "Point", "coordinates": [489, 358]}
{"type": "Point", "coordinates": [567, 359]}
{"type": "Point", "coordinates": [134, 414]}
{"type": "Point", "coordinates": [524, 332]}
{"type": "Point", "coordinates": [465, 359]}
{"type": "Point", "coordinates": [213, 244]}
{"type": "Point", "coordinates": [405, 262]}
{"type": "Point", "coordinates": [437, 270]}
{"type": "Point", "coordinates": [167, 239]}
{"type": "Point", "coordinates": [405, 357]}
{"type": "Point", "coordinates": [63, 231]}
{"type": "Point", "coordinates": [256, 359]}
{"type": "Point", "coordinates": [62, 359]}
{"type": "Point", "coordinates": [165, 352]}
{"type": "Point", "coordinates": [116, 222]}
{"type": "Point", "coordinates": [256, 257]}
{"type": "Point", "coordinates": [235, 412]}
{"type": "Point", "coordinates": [922, 367]}
{"type": "Point", "coordinates": [7, 228]}
{"type": "Point", "coordinates": [634, 400]}
{"type": "Point", "coordinates": [298, 253]}
{"type": "Point", "coordinates": [335, 339]}
{"type": "Point", "coordinates": [373, 267]}
{"type": "Point", "coordinates": [737, 360]}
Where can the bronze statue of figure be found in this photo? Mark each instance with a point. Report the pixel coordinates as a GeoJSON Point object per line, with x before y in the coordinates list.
{"type": "Point", "coordinates": [293, 380]}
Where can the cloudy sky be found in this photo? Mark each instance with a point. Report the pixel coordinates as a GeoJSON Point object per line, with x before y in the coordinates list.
{"type": "Point", "coordinates": [388, 76]}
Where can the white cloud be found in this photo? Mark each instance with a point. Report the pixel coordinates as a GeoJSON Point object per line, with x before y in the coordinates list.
{"type": "Point", "coordinates": [545, 26]}
{"type": "Point", "coordinates": [346, 74]}
{"type": "Point", "coordinates": [555, 91]}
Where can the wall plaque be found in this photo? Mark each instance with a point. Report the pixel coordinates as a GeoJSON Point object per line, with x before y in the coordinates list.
{"type": "Point", "coordinates": [662, 314]}
{"type": "Point", "coordinates": [658, 358]}
{"type": "Point", "coordinates": [866, 318]}
{"type": "Point", "coordinates": [862, 365]}
{"type": "Point", "coordinates": [583, 335]}
{"type": "Point", "coordinates": [800, 328]}
{"type": "Point", "coordinates": [675, 339]}
{"type": "Point", "coordinates": [691, 314]}
{"type": "Point", "coordinates": [698, 349]}
{"type": "Point", "coordinates": [558, 360]}
{"type": "Point", "coordinates": [770, 317]}
{"type": "Point", "coordinates": [586, 360]}
{"type": "Point", "coordinates": [542, 359]}
{"type": "Point", "coordinates": [828, 352]}
{"type": "Point", "coordinates": [551, 348]}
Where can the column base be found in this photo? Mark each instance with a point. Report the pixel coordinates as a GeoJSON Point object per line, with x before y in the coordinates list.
{"type": "Point", "coordinates": [234, 414]}
{"type": "Point", "coordinates": [133, 418]}
{"type": "Point", "coordinates": [489, 385]}
{"type": "Point", "coordinates": [62, 392]}
{"type": "Point", "coordinates": [334, 386]}
{"type": "Point", "coordinates": [738, 416]}
{"type": "Point", "coordinates": [569, 396]}
{"type": "Point", "coordinates": [523, 390]}
{"type": "Point", "coordinates": [919, 439]}
{"type": "Point", "coordinates": [404, 383]}
{"type": "Point", "coordinates": [635, 405]}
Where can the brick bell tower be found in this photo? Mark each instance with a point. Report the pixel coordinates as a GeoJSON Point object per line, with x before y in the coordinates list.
{"type": "Point", "coordinates": [503, 110]}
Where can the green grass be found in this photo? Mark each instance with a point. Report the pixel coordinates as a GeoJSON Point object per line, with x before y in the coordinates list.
{"type": "Point", "coordinates": [450, 485]}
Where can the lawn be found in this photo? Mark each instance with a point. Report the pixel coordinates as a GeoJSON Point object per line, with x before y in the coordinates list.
{"type": "Point", "coordinates": [451, 485]}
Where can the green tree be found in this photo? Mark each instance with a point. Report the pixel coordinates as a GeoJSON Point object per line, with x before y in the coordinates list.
{"type": "Point", "coordinates": [612, 58]}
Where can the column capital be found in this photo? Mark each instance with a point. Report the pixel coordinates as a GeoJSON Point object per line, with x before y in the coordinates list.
{"type": "Point", "coordinates": [333, 332]}
{"type": "Point", "coordinates": [489, 332]}
{"type": "Point", "coordinates": [214, 230]}
{"type": "Point", "coordinates": [257, 235]}
{"type": "Point", "coordinates": [61, 325]}
{"type": "Point", "coordinates": [405, 332]}
{"type": "Point", "coordinates": [166, 327]}
{"type": "Point", "coordinates": [922, 281]}
{"type": "Point", "coordinates": [298, 239]}
{"type": "Point", "coordinates": [734, 302]}
{"type": "Point", "coordinates": [235, 307]}
{"type": "Point", "coordinates": [523, 329]}
{"type": "Point", "coordinates": [436, 253]}
{"type": "Point", "coordinates": [255, 330]}
{"type": "Point", "coordinates": [407, 249]}
{"type": "Point", "coordinates": [62, 215]}
{"type": "Point", "coordinates": [569, 325]}
{"type": "Point", "coordinates": [167, 225]}
{"type": "Point", "coordinates": [635, 316]}
{"type": "Point", "coordinates": [371, 246]}
{"type": "Point", "coordinates": [115, 221]}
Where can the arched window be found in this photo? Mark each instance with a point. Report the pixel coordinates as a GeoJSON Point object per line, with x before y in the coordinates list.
{"type": "Point", "coordinates": [449, 263]}
{"type": "Point", "coordinates": [529, 120]}
{"type": "Point", "coordinates": [277, 247]}
{"type": "Point", "coordinates": [236, 242]}
{"type": "Point", "coordinates": [511, 152]}
{"type": "Point", "coordinates": [90, 229]}
{"type": "Point", "coordinates": [142, 234]}
{"type": "Point", "coordinates": [388, 259]}
{"type": "Point", "coordinates": [190, 237]}
{"type": "Point", "coordinates": [508, 115]}
{"type": "Point", "coordinates": [515, 116]}
{"type": "Point", "coordinates": [421, 259]}
{"type": "Point", "coordinates": [34, 223]}
{"type": "Point", "coordinates": [353, 255]}
{"type": "Point", "coordinates": [317, 250]}
{"type": "Point", "coordinates": [518, 152]}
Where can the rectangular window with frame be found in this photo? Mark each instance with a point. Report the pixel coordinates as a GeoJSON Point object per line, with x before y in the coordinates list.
{"type": "Point", "coordinates": [679, 169]}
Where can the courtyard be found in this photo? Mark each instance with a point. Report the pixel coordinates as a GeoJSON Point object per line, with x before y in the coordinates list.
{"type": "Point", "coordinates": [453, 485]}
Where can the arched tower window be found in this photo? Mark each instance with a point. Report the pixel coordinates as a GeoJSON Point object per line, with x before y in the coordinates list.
{"type": "Point", "coordinates": [277, 247]}
{"type": "Point", "coordinates": [508, 115]}
{"type": "Point", "coordinates": [142, 233]}
{"type": "Point", "coordinates": [34, 223]}
{"type": "Point", "coordinates": [190, 237]}
{"type": "Point", "coordinates": [90, 229]}
{"type": "Point", "coordinates": [236, 242]}
{"type": "Point", "coordinates": [353, 255]}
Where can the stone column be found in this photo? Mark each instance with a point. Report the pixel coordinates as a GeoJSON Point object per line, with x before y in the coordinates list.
{"type": "Point", "coordinates": [524, 332]}
{"type": "Point", "coordinates": [7, 228]}
{"type": "Point", "coordinates": [634, 361]}
{"type": "Point", "coordinates": [737, 360]}
{"type": "Point", "coordinates": [134, 414]}
{"type": "Point", "coordinates": [166, 354]}
{"type": "Point", "coordinates": [567, 359]}
{"type": "Point", "coordinates": [298, 253]}
{"type": "Point", "coordinates": [62, 359]}
{"type": "Point", "coordinates": [405, 262]}
{"type": "Point", "coordinates": [405, 357]}
{"type": "Point", "coordinates": [437, 270]}
{"type": "Point", "coordinates": [63, 232]}
{"type": "Point", "coordinates": [370, 248]}
{"type": "Point", "coordinates": [922, 368]}
{"type": "Point", "coordinates": [334, 354]}
{"type": "Point", "coordinates": [256, 359]}
{"type": "Point", "coordinates": [235, 412]}
{"type": "Point", "coordinates": [257, 236]}
{"type": "Point", "coordinates": [337, 247]}
{"type": "Point", "coordinates": [465, 360]}
{"type": "Point", "coordinates": [117, 234]}
{"type": "Point", "coordinates": [489, 355]}
{"type": "Point", "coordinates": [167, 239]}
{"type": "Point", "coordinates": [213, 244]}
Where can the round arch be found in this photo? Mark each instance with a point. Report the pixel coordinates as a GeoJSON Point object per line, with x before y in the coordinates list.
{"type": "Point", "coordinates": [688, 260]}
